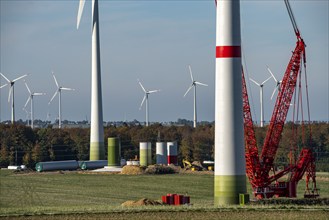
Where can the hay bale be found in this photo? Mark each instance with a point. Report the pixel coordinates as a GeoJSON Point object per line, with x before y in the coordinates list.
{"type": "Point", "coordinates": [128, 203]}
{"type": "Point", "coordinates": [141, 202]}
{"type": "Point", "coordinates": [132, 170]}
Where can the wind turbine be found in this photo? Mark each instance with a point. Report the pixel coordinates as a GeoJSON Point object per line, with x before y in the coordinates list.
{"type": "Point", "coordinates": [12, 94]}
{"type": "Point", "coordinates": [278, 83]}
{"type": "Point", "coordinates": [194, 83]}
{"type": "Point", "coordinates": [27, 116]}
{"type": "Point", "coordinates": [30, 98]}
{"type": "Point", "coordinates": [59, 92]}
{"type": "Point", "coordinates": [146, 97]}
{"type": "Point", "coordinates": [97, 150]}
{"type": "Point", "coordinates": [261, 99]}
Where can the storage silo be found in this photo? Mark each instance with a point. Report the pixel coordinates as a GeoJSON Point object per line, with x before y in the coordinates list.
{"type": "Point", "coordinates": [143, 153]}
{"type": "Point", "coordinates": [149, 153]}
{"type": "Point", "coordinates": [114, 152]}
{"type": "Point", "coordinates": [161, 153]}
{"type": "Point", "coordinates": [172, 152]}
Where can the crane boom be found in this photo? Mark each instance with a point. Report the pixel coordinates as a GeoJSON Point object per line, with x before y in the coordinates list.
{"type": "Point", "coordinates": [292, 18]}
{"type": "Point", "coordinates": [283, 100]}
{"type": "Point", "coordinates": [253, 167]}
{"type": "Point", "coordinates": [258, 168]}
{"type": "Point", "coordinates": [281, 108]}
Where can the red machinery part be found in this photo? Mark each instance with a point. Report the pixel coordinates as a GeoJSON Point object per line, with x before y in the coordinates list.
{"type": "Point", "coordinates": [258, 168]}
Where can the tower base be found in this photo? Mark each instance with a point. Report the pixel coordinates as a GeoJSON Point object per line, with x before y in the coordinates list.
{"type": "Point", "coordinates": [227, 189]}
{"type": "Point", "coordinates": [97, 151]}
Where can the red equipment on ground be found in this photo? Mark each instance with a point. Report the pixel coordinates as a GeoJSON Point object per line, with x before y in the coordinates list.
{"type": "Point", "coordinates": [264, 183]}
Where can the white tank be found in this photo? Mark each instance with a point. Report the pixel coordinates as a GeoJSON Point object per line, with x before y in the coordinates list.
{"type": "Point", "coordinates": [172, 153]}
{"type": "Point", "coordinates": [161, 153]}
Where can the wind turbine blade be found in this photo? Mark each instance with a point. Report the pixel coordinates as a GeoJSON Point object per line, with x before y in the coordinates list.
{"type": "Point", "coordinates": [53, 97]}
{"type": "Point", "coordinates": [38, 93]}
{"type": "Point", "coordinates": [19, 78]}
{"type": "Point", "coordinates": [55, 80]}
{"type": "Point", "coordinates": [3, 86]}
{"type": "Point", "coordinates": [10, 91]}
{"type": "Point", "coordinates": [266, 80]}
{"type": "Point", "coordinates": [254, 81]}
{"type": "Point", "coordinates": [274, 92]}
{"type": "Point", "coordinates": [27, 101]}
{"type": "Point", "coordinates": [142, 102]}
{"type": "Point", "coordinates": [272, 74]}
{"type": "Point", "coordinates": [202, 84]}
{"type": "Point", "coordinates": [63, 88]}
{"type": "Point", "coordinates": [81, 6]}
{"type": "Point", "coordinates": [28, 89]}
{"type": "Point", "coordinates": [5, 77]}
{"type": "Point", "coordinates": [153, 91]}
{"type": "Point", "coordinates": [191, 73]}
{"type": "Point", "coordinates": [142, 86]}
{"type": "Point", "coordinates": [188, 90]}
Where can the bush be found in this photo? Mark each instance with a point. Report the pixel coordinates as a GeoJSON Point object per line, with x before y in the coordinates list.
{"type": "Point", "coordinates": [159, 169]}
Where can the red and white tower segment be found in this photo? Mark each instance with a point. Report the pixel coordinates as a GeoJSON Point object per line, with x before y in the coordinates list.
{"type": "Point", "coordinates": [230, 170]}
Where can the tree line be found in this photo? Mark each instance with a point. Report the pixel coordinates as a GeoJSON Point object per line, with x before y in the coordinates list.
{"type": "Point", "coordinates": [19, 144]}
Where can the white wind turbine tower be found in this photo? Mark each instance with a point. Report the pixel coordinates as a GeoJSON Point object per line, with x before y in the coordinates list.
{"type": "Point", "coordinates": [261, 99]}
{"type": "Point", "coordinates": [146, 97]}
{"type": "Point", "coordinates": [278, 83]}
{"type": "Point", "coordinates": [59, 92]}
{"type": "Point", "coordinates": [30, 98]}
{"type": "Point", "coordinates": [12, 94]}
{"type": "Point", "coordinates": [194, 83]}
{"type": "Point", "coordinates": [27, 116]}
{"type": "Point", "coordinates": [97, 150]}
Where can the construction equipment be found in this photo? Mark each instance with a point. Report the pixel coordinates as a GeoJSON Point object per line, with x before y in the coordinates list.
{"type": "Point", "coordinates": [264, 183]}
{"type": "Point", "coordinates": [195, 166]}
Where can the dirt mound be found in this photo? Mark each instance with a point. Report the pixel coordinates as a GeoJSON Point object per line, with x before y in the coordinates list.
{"type": "Point", "coordinates": [176, 169]}
{"type": "Point", "coordinates": [197, 163]}
{"type": "Point", "coordinates": [132, 170]}
{"type": "Point", "coordinates": [159, 169]}
{"type": "Point", "coordinates": [141, 202]}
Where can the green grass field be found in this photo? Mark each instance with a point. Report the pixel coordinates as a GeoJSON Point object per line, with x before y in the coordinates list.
{"type": "Point", "coordinates": [73, 195]}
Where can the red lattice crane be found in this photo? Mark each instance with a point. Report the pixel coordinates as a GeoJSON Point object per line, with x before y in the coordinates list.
{"type": "Point", "coordinates": [258, 167]}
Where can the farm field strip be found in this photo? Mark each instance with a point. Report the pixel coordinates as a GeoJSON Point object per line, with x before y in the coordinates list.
{"type": "Point", "coordinates": [75, 193]}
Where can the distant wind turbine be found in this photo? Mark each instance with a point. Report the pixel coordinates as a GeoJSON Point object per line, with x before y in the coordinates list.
{"type": "Point", "coordinates": [193, 84]}
{"type": "Point", "coordinates": [97, 150]}
{"type": "Point", "coordinates": [278, 83]}
{"type": "Point", "coordinates": [12, 94]}
{"type": "Point", "coordinates": [261, 99]}
{"type": "Point", "coordinates": [30, 98]}
{"type": "Point", "coordinates": [59, 92]}
{"type": "Point", "coordinates": [146, 97]}
{"type": "Point", "coordinates": [27, 116]}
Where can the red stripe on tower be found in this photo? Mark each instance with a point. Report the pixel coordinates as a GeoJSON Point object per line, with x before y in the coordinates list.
{"type": "Point", "coordinates": [228, 51]}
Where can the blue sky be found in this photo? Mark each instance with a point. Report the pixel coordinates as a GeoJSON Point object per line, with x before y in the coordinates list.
{"type": "Point", "coordinates": [153, 41]}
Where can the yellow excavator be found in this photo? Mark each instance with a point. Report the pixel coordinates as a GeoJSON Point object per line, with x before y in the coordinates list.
{"type": "Point", "coordinates": [195, 166]}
